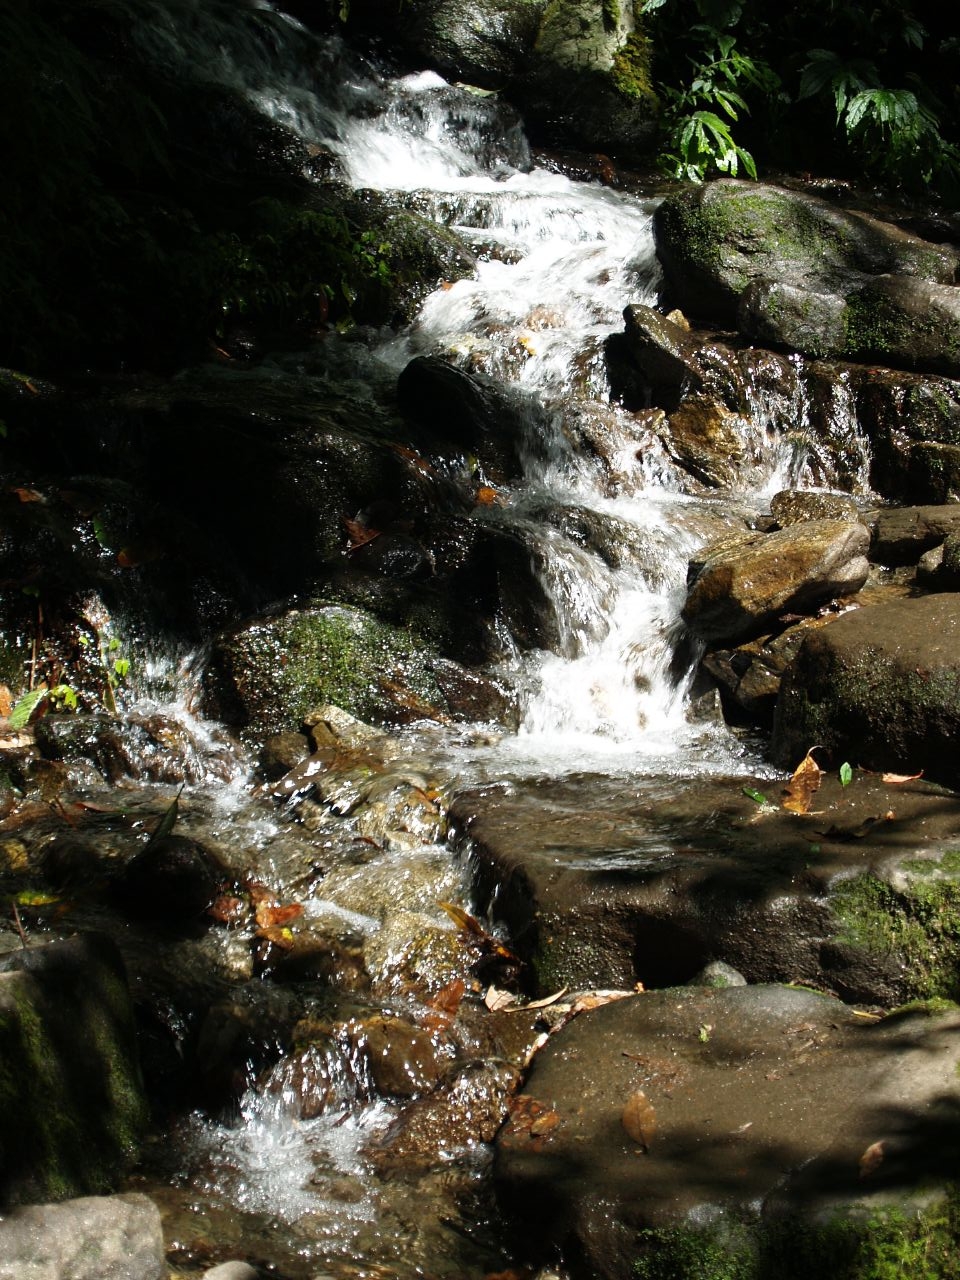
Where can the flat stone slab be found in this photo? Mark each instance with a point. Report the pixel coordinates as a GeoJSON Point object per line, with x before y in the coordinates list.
{"type": "Point", "coordinates": [726, 1116]}
{"type": "Point", "coordinates": [607, 882]}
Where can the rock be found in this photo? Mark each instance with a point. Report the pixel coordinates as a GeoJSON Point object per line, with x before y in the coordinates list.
{"type": "Point", "coordinates": [462, 1114]}
{"type": "Point", "coordinates": [232, 1271]}
{"type": "Point", "coordinates": [903, 534]}
{"type": "Point", "coordinates": [602, 885]}
{"type": "Point", "coordinates": [468, 411]}
{"type": "Point", "coordinates": [905, 322]}
{"type": "Point", "coordinates": [729, 1176]}
{"type": "Point", "coordinates": [481, 42]}
{"type": "Point", "coordinates": [879, 687]}
{"type": "Point", "coordinates": [402, 1059]}
{"type": "Point", "coordinates": [716, 238]}
{"type": "Point", "coordinates": [939, 568]}
{"type": "Point", "coordinates": [587, 79]}
{"type": "Point", "coordinates": [71, 1095]}
{"type": "Point", "coordinates": [265, 676]}
{"type": "Point", "coordinates": [282, 752]}
{"type": "Point", "coordinates": [778, 314]}
{"type": "Point", "coordinates": [92, 1238]}
{"type": "Point", "coordinates": [172, 882]}
{"type": "Point", "coordinates": [664, 351]}
{"type": "Point", "coordinates": [749, 676]}
{"type": "Point", "coordinates": [718, 974]}
{"type": "Point", "coordinates": [791, 506]}
{"type": "Point", "coordinates": [739, 585]}
{"type": "Point", "coordinates": [707, 440]}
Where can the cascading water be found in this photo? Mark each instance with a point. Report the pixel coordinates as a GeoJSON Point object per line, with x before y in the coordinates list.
{"type": "Point", "coordinates": [603, 513]}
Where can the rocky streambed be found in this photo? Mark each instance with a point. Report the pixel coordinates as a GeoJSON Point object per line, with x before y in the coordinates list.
{"type": "Point", "coordinates": [544, 857]}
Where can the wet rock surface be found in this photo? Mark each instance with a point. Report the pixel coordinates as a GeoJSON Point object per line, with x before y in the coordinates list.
{"type": "Point", "coordinates": [71, 1091]}
{"type": "Point", "coordinates": [91, 1238]}
{"type": "Point", "coordinates": [765, 1127]}
{"type": "Point", "coordinates": [612, 882]}
{"type": "Point", "coordinates": [880, 685]}
{"type": "Point", "coordinates": [740, 584]}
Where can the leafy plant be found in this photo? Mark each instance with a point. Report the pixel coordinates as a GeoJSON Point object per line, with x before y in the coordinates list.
{"type": "Point", "coordinates": [699, 116]}
{"type": "Point", "coordinates": [846, 774]}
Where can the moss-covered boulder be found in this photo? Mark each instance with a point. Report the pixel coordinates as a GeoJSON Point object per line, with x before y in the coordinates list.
{"type": "Point", "coordinates": [897, 320]}
{"type": "Point", "coordinates": [879, 687]}
{"type": "Point", "coordinates": [72, 1108]}
{"type": "Point", "coordinates": [715, 240]}
{"type": "Point", "coordinates": [266, 676]}
{"type": "Point", "coordinates": [738, 1134]}
{"type": "Point", "coordinates": [587, 79]}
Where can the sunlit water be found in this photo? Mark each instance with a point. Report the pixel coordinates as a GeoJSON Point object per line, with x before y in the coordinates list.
{"type": "Point", "coordinates": [558, 263]}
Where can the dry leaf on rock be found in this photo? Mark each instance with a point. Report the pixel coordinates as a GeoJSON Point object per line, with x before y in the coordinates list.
{"type": "Point", "coordinates": [894, 779]}
{"type": "Point", "coordinates": [872, 1159]}
{"type": "Point", "coordinates": [269, 916]}
{"type": "Point", "coordinates": [804, 784]}
{"type": "Point", "coordinates": [639, 1119]}
{"type": "Point", "coordinates": [496, 999]}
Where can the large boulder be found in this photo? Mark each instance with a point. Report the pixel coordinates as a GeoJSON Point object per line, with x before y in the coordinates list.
{"type": "Point", "coordinates": [740, 584]}
{"type": "Point", "coordinates": [600, 884]}
{"type": "Point", "coordinates": [587, 80]}
{"type": "Point", "coordinates": [716, 239]}
{"type": "Point", "coordinates": [879, 687]}
{"type": "Point", "coordinates": [751, 1131]}
{"type": "Point", "coordinates": [898, 320]}
{"type": "Point", "coordinates": [482, 42]}
{"type": "Point", "coordinates": [72, 1108]}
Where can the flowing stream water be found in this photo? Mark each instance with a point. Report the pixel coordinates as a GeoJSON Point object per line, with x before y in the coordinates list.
{"type": "Point", "coordinates": [558, 262]}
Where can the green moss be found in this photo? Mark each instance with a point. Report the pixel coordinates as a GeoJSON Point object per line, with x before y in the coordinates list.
{"type": "Point", "coordinates": [282, 668]}
{"type": "Point", "coordinates": [881, 1245]}
{"type": "Point", "coordinates": [630, 72]}
{"type": "Point", "coordinates": [918, 925]}
{"type": "Point", "coordinates": [611, 14]}
{"type": "Point", "coordinates": [931, 1008]}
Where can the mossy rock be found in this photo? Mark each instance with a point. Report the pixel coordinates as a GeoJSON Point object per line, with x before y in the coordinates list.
{"type": "Point", "coordinates": [266, 676]}
{"type": "Point", "coordinates": [715, 239]}
{"type": "Point", "coordinates": [880, 687]}
{"type": "Point", "coordinates": [658, 1138]}
{"type": "Point", "coordinates": [588, 79]}
{"type": "Point", "coordinates": [72, 1105]}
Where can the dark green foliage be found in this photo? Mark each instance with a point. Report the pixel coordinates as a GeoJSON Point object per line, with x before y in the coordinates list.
{"type": "Point", "coordinates": [864, 90]}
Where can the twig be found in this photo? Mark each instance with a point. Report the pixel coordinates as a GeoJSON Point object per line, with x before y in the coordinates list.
{"type": "Point", "coordinates": [19, 923]}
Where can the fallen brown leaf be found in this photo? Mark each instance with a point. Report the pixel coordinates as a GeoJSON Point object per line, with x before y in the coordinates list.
{"type": "Point", "coordinates": [495, 999]}
{"type": "Point", "coordinates": [804, 784]}
{"type": "Point", "coordinates": [894, 779]}
{"type": "Point", "coordinates": [639, 1119]}
{"type": "Point", "coordinates": [268, 916]}
{"type": "Point", "coordinates": [872, 1159]}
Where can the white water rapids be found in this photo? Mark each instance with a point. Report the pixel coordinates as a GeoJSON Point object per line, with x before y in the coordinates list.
{"type": "Point", "coordinates": [609, 521]}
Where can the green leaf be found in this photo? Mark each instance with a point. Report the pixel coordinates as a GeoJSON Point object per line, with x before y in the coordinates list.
{"type": "Point", "coordinates": [753, 794]}
{"type": "Point", "coordinates": [25, 708]}
{"type": "Point", "coordinates": [846, 774]}
{"type": "Point", "coordinates": [65, 694]}
{"type": "Point", "coordinates": [167, 822]}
